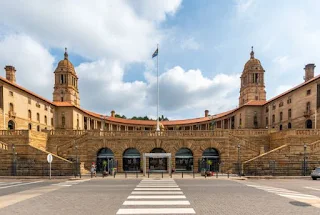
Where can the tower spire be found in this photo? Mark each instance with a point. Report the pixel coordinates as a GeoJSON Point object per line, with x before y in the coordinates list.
{"type": "Point", "coordinates": [252, 53]}
{"type": "Point", "coordinates": [65, 54]}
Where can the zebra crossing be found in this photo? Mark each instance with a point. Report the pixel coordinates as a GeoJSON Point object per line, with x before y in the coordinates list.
{"type": "Point", "coordinates": [4, 185]}
{"type": "Point", "coordinates": [152, 196]}
{"type": "Point", "coordinates": [294, 195]}
{"type": "Point", "coordinates": [69, 183]}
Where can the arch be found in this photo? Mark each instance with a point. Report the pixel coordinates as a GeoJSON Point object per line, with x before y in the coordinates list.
{"type": "Point", "coordinates": [30, 126]}
{"type": "Point", "coordinates": [158, 164]}
{"type": "Point", "coordinates": [105, 154]}
{"type": "Point", "coordinates": [280, 127]}
{"type": "Point", "coordinates": [29, 114]}
{"type": "Point", "coordinates": [11, 125]}
{"type": "Point", "coordinates": [213, 155]}
{"type": "Point", "coordinates": [184, 160]}
{"type": "Point", "coordinates": [131, 160]}
{"type": "Point", "coordinates": [309, 123]}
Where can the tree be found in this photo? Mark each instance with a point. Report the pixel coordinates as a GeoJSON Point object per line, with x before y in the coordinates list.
{"type": "Point", "coordinates": [209, 162]}
{"type": "Point", "coordinates": [119, 116]}
{"type": "Point", "coordinates": [104, 165]}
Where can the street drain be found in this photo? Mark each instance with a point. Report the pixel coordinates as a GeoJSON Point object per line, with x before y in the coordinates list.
{"type": "Point", "coordinates": [300, 204]}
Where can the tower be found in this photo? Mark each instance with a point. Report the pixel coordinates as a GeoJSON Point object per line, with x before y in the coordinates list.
{"type": "Point", "coordinates": [10, 73]}
{"type": "Point", "coordinates": [252, 81]}
{"type": "Point", "coordinates": [66, 82]}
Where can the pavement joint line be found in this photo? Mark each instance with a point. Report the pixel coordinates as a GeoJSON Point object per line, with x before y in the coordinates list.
{"type": "Point", "coordinates": [21, 184]}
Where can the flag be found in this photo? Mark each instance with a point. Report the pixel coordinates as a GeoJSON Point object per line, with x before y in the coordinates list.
{"type": "Point", "coordinates": [155, 54]}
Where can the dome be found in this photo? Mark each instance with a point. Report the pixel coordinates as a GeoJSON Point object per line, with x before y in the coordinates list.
{"type": "Point", "coordinates": [252, 63]}
{"type": "Point", "coordinates": [65, 64]}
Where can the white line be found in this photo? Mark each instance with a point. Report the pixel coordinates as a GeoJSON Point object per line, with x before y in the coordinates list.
{"type": "Point", "coordinates": [157, 186]}
{"type": "Point", "coordinates": [156, 203]}
{"type": "Point", "coordinates": [157, 192]}
{"type": "Point", "coordinates": [157, 189]}
{"type": "Point", "coordinates": [21, 184]}
{"type": "Point", "coordinates": [157, 197]}
{"type": "Point", "coordinates": [157, 211]}
{"type": "Point", "coordinates": [10, 183]}
{"type": "Point", "coordinates": [312, 188]}
{"type": "Point", "coordinates": [299, 197]}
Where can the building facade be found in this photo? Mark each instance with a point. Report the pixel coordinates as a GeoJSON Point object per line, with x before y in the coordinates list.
{"type": "Point", "coordinates": [257, 127]}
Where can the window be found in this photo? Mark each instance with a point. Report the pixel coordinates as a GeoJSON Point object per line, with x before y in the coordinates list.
{"type": "Point", "coordinates": [11, 107]}
{"type": "Point", "coordinates": [51, 121]}
{"type": "Point", "coordinates": [273, 118]}
{"type": "Point", "coordinates": [267, 121]}
{"type": "Point", "coordinates": [267, 109]}
{"type": "Point", "coordinates": [257, 97]}
{"type": "Point", "coordinates": [10, 93]}
{"type": "Point", "coordinates": [289, 101]}
{"type": "Point", "coordinates": [38, 117]}
{"type": "Point", "coordinates": [281, 116]}
{"type": "Point", "coordinates": [30, 126]}
{"type": "Point", "coordinates": [289, 125]}
{"type": "Point", "coordinates": [29, 114]}
{"type": "Point", "coordinates": [308, 92]}
{"type": "Point", "coordinates": [38, 104]}
{"type": "Point", "coordinates": [45, 119]}
{"type": "Point", "coordinates": [289, 114]}
{"type": "Point", "coordinates": [45, 107]}
{"type": "Point", "coordinates": [61, 79]}
{"type": "Point", "coordinates": [280, 127]}
{"type": "Point", "coordinates": [273, 106]}
{"type": "Point", "coordinates": [38, 127]}
{"type": "Point", "coordinates": [281, 104]}
{"type": "Point", "coordinates": [63, 121]}
{"type": "Point", "coordinates": [308, 106]}
{"type": "Point", "coordinates": [62, 98]}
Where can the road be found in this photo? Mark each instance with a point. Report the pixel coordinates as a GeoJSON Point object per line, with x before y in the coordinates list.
{"type": "Point", "coordinates": [166, 196]}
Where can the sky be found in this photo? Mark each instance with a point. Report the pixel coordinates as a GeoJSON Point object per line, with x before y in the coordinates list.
{"type": "Point", "coordinates": [203, 46]}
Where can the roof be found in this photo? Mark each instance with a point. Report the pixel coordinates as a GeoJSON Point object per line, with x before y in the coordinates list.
{"type": "Point", "coordinates": [294, 88]}
{"type": "Point", "coordinates": [255, 103]}
{"type": "Point", "coordinates": [25, 90]}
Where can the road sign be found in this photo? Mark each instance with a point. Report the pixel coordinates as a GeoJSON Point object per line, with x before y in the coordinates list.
{"type": "Point", "coordinates": [49, 158]}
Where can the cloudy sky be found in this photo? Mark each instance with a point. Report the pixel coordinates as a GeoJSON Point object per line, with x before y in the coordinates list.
{"type": "Point", "coordinates": [204, 45]}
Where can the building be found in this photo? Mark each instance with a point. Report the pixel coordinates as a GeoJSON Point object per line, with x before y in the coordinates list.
{"type": "Point", "coordinates": [257, 129]}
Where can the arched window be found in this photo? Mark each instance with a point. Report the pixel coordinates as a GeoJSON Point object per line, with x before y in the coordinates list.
{"type": "Point", "coordinates": [29, 114]}
{"type": "Point", "coordinates": [210, 155]}
{"type": "Point", "coordinates": [45, 120]}
{"type": "Point", "coordinates": [289, 125]}
{"type": "Point", "coordinates": [158, 164]}
{"type": "Point", "coordinates": [289, 114]}
{"type": "Point", "coordinates": [105, 155]}
{"type": "Point", "coordinates": [11, 125]}
{"type": "Point", "coordinates": [280, 127]}
{"type": "Point", "coordinates": [38, 117]}
{"type": "Point", "coordinates": [281, 115]}
{"type": "Point", "coordinates": [309, 123]}
{"type": "Point", "coordinates": [184, 160]}
{"type": "Point", "coordinates": [131, 160]}
{"type": "Point", "coordinates": [30, 126]}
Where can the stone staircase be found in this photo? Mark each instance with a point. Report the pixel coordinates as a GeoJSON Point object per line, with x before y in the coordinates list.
{"type": "Point", "coordinates": [69, 148]}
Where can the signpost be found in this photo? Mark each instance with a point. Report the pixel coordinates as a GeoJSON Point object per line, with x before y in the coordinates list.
{"type": "Point", "coordinates": [49, 159]}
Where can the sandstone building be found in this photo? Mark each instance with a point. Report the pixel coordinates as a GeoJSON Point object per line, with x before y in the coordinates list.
{"type": "Point", "coordinates": [282, 129]}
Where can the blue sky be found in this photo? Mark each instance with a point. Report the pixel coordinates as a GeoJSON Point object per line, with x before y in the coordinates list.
{"type": "Point", "coordinates": [203, 48]}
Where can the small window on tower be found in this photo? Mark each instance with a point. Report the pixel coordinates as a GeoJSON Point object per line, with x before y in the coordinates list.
{"type": "Point", "coordinates": [10, 93]}
{"type": "Point", "coordinates": [308, 92]}
{"type": "Point", "coordinates": [62, 99]}
{"type": "Point", "coordinates": [29, 101]}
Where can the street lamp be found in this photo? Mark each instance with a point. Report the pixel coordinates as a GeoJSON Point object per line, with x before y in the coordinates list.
{"type": "Point", "coordinates": [239, 166]}
{"type": "Point", "coordinates": [304, 160]}
{"type": "Point", "coordinates": [14, 160]}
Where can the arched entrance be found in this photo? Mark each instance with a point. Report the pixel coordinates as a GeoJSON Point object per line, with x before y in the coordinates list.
{"type": "Point", "coordinates": [184, 160]}
{"type": "Point", "coordinates": [11, 125]}
{"type": "Point", "coordinates": [210, 154]}
{"type": "Point", "coordinates": [309, 123]}
{"type": "Point", "coordinates": [105, 154]}
{"type": "Point", "coordinates": [158, 164]}
{"type": "Point", "coordinates": [131, 160]}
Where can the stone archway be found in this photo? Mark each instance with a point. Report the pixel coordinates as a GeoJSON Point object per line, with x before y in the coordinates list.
{"type": "Point", "coordinates": [212, 155]}
{"type": "Point", "coordinates": [11, 125]}
{"type": "Point", "coordinates": [184, 160]}
{"type": "Point", "coordinates": [158, 164]}
{"type": "Point", "coordinates": [105, 154]}
{"type": "Point", "coordinates": [131, 160]}
{"type": "Point", "coordinates": [309, 124]}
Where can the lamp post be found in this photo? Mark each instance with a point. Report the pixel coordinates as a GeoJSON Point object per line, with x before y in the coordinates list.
{"type": "Point", "coordinates": [239, 166]}
{"type": "Point", "coordinates": [304, 160]}
{"type": "Point", "coordinates": [76, 160]}
{"type": "Point", "coordinates": [14, 160]}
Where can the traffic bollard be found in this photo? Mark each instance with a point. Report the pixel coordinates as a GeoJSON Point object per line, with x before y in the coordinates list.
{"type": "Point", "coordinates": [114, 175]}
{"type": "Point", "coordinates": [182, 174]}
{"type": "Point", "coordinates": [217, 174]}
{"type": "Point", "coordinates": [148, 174]}
{"type": "Point", "coordinates": [193, 174]}
{"type": "Point", "coordinates": [162, 174]}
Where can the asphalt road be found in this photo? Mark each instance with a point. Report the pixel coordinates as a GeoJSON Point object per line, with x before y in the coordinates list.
{"type": "Point", "coordinates": [211, 196]}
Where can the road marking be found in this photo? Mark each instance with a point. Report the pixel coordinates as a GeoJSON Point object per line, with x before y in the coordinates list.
{"type": "Point", "coordinates": [157, 192]}
{"type": "Point", "coordinates": [157, 197]}
{"type": "Point", "coordinates": [9, 183]}
{"type": "Point", "coordinates": [21, 184]}
{"type": "Point", "coordinates": [156, 203]}
{"type": "Point", "coordinates": [157, 188]}
{"type": "Point", "coordinates": [69, 183]}
{"type": "Point", "coordinates": [157, 211]}
{"type": "Point", "coordinates": [306, 198]}
{"type": "Point", "coordinates": [312, 188]}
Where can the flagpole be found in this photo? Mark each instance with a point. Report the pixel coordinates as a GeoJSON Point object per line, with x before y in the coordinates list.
{"type": "Point", "coordinates": [158, 127]}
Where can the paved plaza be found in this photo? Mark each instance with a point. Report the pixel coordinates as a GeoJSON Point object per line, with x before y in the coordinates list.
{"type": "Point", "coordinates": [157, 195]}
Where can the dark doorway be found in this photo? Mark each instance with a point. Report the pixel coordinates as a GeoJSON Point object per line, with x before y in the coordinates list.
{"type": "Point", "coordinates": [289, 125]}
{"type": "Point", "coordinates": [212, 155]}
{"type": "Point", "coordinates": [309, 123]}
{"type": "Point", "coordinates": [131, 160]}
{"type": "Point", "coordinates": [184, 160]}
{"type": "Point", "coordinates": [105, 154]}
{"type": "Point", "coordinates": [11, 125]}
{"type": "Point", "coordinates": [158, 164]}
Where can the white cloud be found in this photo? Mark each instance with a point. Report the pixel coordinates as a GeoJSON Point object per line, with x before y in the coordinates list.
{"type": "Point", "coordinates": [190, 43]}
{"type": "Point", "coordinates": [34, 64]}
{"type": "Point", "coordinates": [243, 5]}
